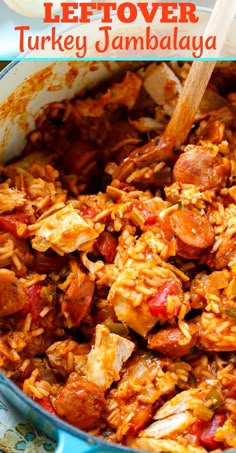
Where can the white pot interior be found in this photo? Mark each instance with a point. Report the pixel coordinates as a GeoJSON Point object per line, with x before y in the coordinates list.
{"type": "Point", "coordinates": [26, 86]}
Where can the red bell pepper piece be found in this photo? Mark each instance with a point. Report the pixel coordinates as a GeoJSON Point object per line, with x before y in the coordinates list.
{"type": "Point", "coordinates": [88, 213]}
{"type": "Point", "coordinates": [205, 431]}
{"type": "Point", "coordinates": [106, 245]}
{"type": "Point", "coordinates": [46, 404]}
{"type": "Point", "coordinates": [157, 303]}
{"type": "Point", "coordinates": [15, 224]}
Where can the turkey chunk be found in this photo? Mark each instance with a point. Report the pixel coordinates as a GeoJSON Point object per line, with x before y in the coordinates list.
{"type": "Point", "coordinates": [138, 280]}
{"type": "Point", "coordinates": [162, 445]}
{"type": "Point", "coordinates": [169, 426]}
{"type": "Point", "coordinates": [65, 231]}
{"type": "Point", "coordinates": [175, 415]}
{"type": "Point", "coordinates": [107, 357]}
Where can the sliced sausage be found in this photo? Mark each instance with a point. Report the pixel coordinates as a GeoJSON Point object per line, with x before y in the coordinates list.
{"type": "Point", "coordinates": [78, 299]}
{"type": "Point", "coordinates": [199, 166]}
{"type": "Point", "coordinates": [171, 341]}
{"type": "Point", "coordinates": [192, 229]}
{"type": "Point", "coordinates": [12, 294]}
{"type": "Point", "coordinates": [81, 403]}
{"type": "Point", "coordinates": [187, 251]}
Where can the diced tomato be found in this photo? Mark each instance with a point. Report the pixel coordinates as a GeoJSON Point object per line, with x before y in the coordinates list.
{"type": "Point", "coordinates": [88, 213]}
{"type": "Point", "coordinates": [205, 431]}
{"type": "Point", "coordinates": [150, 217]}
{"type": "Point", "coordinates": [15, 223]}
{"type": "Point", "coordinates": [46, 264]}
{"type": "Point", "coordinates": [157, 304]}
{"type": "Point", "coordinates": [106, 245]}
{"type": "Point", "coordinates": [46, 404]}
{"type": "Point", "coordinates": [34, 302]}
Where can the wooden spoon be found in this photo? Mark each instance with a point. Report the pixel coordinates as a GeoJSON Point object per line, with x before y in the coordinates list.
{"type": "Point", "coordinates": [167, 146]}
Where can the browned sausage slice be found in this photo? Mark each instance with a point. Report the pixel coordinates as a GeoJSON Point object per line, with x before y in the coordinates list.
{"type": "Point", "coordinates": [199, 166]}
{"type": "Point", "coordinates": [192, 229]}
{"type": "Point", "coordinates": [78, 299]}
{"type": "Point", "coordinates": [12, 294]}
{"type": "Point", "coordinates": [225, 252]}
{"type": "Point", "coordinates": [80, 402]}
{"type": "Point", "coordinates": [171, 341]}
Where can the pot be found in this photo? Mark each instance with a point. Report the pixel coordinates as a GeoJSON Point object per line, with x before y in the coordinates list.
{"type": "Point", "coordinates": [25, 86]}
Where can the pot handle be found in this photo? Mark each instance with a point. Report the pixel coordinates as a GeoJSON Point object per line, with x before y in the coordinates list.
{"type": "Point", "coordinates": [67, 443]}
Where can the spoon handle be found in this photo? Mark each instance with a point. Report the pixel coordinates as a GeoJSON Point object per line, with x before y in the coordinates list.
{"type": "Point", "coordinates": [200, 73]}
{"type": "Point", "coordinates": [194, 88]}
